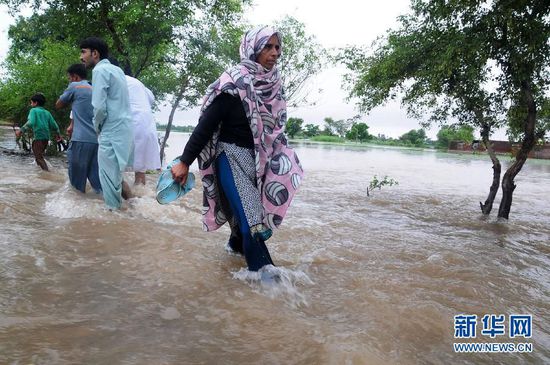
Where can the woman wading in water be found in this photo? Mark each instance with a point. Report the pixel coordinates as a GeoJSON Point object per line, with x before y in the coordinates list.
{"type": "Point", "coordinates": [249, 173]}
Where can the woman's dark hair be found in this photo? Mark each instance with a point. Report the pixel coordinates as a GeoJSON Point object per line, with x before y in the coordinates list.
{"type": "Point", "coordinates": [113, 61]}
{"type": "Point", "coordinates": [97, 44]}
{"type": "Point", "coordinates": [39, 98]}
{"type": "Point", "coordinates": [78, 69]}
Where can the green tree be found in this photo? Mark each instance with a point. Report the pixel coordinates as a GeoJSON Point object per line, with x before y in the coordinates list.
{"type": "Point", "coordinates": [542, 127]}
{"type": "Point", "coordinates": [330, 127]}
{"type": "Point", "coordinates": [293, 126]}
{"type": "Point", "coordinates": [465, 133]}
{"type": "Point", "coordinates": [414, 137]}
{"type": "Point", "coordinates": [443, 58]}
{"type": "Point", "coordinates": [43, 71]}
{"type": "Point", "coordinates": [220, 26]}
{"type": "Point", "coordinates": [447, 134]}
{"type": "Point", "coordinates": [139, 32]}
{"type": "Point", "coordinates": [337, 127]}
{"type": "Point", "coordinates": [311, 130]}
{"type": "Point", "coordinates": [342, 127]}
{"type": "Point", "coordinates": [176, 47]}
{"type": "Point", "coordinates": [210, 48]}
{"type": "Point", "coordinates": [302, 58]}
{"type": "Point", "coordinates": [144, 36]}
{"type": "Point", "coordinates": [359, 132]}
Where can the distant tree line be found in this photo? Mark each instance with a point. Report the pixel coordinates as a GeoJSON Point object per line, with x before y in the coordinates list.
{"type": "Point", "coordinates": [354, 130]}
{"type": "Point", "coordinates": [176, 128]}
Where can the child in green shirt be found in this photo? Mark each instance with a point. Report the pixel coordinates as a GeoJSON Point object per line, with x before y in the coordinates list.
{"type": "Point", "coordinates": [41, 122]}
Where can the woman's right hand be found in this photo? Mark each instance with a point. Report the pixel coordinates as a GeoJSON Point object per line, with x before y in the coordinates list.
{"type": "Point", "coordinates": [179, 172]}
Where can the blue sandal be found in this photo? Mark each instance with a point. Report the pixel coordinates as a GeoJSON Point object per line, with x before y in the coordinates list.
{"type": "Point", "coordinates": [169, 190]}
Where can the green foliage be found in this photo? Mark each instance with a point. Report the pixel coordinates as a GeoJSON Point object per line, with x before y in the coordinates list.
{"type": "Point", "coordinates": [325, 138]}
{"type": "Point", "coordinates": [376, 183]}
{"type": "Point", "coordinates": [293, 126]}
{"type": "Point", "coordinates": [302, 58]}
{"type": "Point", "coordinates": [445, 56]}
{"type": "Point", "coordinates": [311, 130]}
{"type": "Point", "coordinates": [359, 132]}
{"type": "Point", "coordinates": [516, 117]}
{"type": "Point", "coordinates": [139, 32]}
{"type": "Point", "coordinates": [43, 71]}
{"type": "Point", "coordinates": [337, 127]}
{"type": "Point", "coordinates": [329, 129]}
{"type": "Point", "coordinates": [152, 40]}
{"type": "Point", "coordinates": [447, 134]}
{"type": "Point", "coordinates": [210, 48]}
{"type": "Point", "coordinates": [211, 43]}
{"type": "Point", "coordinates": [416, 138]}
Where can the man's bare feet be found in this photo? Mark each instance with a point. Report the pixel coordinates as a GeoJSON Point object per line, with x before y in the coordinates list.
{"type": "Point", "coordinates": [126, 191]}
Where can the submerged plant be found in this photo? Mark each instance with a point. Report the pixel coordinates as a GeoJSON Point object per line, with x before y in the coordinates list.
{"type": "Point", "coordinates": [375, 183]}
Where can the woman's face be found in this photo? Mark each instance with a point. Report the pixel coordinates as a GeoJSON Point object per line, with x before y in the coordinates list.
{"type": "Point", "coordinates": [270, 54]}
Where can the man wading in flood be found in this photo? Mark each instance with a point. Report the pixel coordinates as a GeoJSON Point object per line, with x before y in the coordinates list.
{"type": "Point", "coordinates": [112, 120]}
{"type": "Point", "coordinates": [82, 153]}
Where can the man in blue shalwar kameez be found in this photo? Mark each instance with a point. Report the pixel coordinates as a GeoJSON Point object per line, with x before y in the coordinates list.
{"type": "Point", "coordinates": [112, 120]}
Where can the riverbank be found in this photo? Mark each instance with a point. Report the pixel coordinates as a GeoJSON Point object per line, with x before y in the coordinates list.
{"type": "Point", "coordinates": [534, 155]}
{"type": "Point", "coordinates": [307, 142]}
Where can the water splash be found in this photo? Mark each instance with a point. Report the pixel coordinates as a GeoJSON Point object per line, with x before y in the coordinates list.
{"type": "Point", "coordinates": [277, 282]}
{"type": "Point", "coordinates": [66, 202]}
{"type": "Point", "coordinates": [173, 214]}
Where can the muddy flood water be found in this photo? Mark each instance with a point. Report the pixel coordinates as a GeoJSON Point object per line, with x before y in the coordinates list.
{"type": "Point", "coordinates": [365, 280]}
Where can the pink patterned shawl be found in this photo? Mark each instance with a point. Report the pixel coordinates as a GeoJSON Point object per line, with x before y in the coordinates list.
{"type": "Point", "coordinates": [278, 169]}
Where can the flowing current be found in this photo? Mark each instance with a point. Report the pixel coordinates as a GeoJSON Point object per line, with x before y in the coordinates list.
{"type": "Point", "coordinates": [365, 279]}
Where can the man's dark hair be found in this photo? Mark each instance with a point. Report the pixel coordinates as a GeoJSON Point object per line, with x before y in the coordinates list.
{"type": "Point", "coordinates": [78, 69]}
{"type": "Point", "coordinates": [39, 98]}
{"type": "Point", "coordinates": [97, 44]}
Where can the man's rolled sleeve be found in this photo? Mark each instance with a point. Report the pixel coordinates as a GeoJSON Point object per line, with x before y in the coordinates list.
{"type": "Point", "coordinates": [68, 95]}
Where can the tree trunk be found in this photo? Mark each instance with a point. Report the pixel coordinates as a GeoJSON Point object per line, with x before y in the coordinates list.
{"type": "Point", "coordinates": [175, 106]}
{"type": "Point", "coordinates": [177, 100]}
{"type": "Point", "coordinates": [488, 206]}
{"type": "Point", "coordinates": [527, 145]}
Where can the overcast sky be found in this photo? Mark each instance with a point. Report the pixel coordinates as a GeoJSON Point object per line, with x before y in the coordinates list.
{"type": "Point", "coordinates": [335, 24]}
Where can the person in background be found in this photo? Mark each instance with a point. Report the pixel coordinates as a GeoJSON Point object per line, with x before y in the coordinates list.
{"type": "Point", "coordinates": [82, 152]}
{"type": "Point", "coordinates": [112, 120]}
{"type": "Point", "coordinates": [146, 146]}
{"type": "Point", "coordinates": [249, 172]}
{"type": "Point", "coordinates": [41, 122]}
